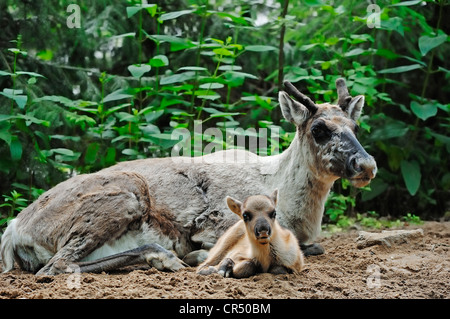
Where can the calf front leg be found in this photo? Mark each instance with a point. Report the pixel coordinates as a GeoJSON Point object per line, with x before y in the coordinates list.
{"type": "Point", "coordinates": [242, 269]}
{"type": "Point", "coordinates": [245, 268]}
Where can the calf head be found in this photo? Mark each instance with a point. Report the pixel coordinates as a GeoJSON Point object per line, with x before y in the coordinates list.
{"type": "Point", "coordinates": [327, 134]}
{"type": "Point", "coordinates": [258, 213]}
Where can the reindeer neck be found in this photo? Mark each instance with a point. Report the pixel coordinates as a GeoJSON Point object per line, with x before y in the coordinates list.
{"type": "Point", "coordinates": [302, 190]}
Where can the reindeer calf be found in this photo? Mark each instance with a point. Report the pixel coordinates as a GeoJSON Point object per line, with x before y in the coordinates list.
{"type": "Point", "coordinates": [255, 244]}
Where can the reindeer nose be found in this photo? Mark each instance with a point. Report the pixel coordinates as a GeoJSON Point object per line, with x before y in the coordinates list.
{"type": "Point", "coordinates": [362, 165]}
{"type": "Point", "coordinates": [354, 165]}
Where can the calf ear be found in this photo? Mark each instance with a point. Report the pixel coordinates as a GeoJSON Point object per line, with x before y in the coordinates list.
{"type": "Point", "coordinates": [274, 196]}
{"type": "Point", "coordinates": [293, 111]}
{"type": "Point", "coordinates": [234, 205]}
{"type": "Point", "coordinates": [355, 107]}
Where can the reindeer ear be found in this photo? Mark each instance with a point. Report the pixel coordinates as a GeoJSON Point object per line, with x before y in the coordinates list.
{"type": "Point", "coordinates": [293, 111]}
{"type": "Point", "coordinates": [355, 107]}
{"type": "Point", "coordinates": [274, 196]}
{"type": "Point", "coordinates": [234, 205]}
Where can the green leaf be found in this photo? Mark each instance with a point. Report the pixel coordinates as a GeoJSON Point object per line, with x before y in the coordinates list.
{"type": "Point", "coordinates": [230, 68]}
{"type": "Point", "coordinates": [45, 55]}
{"type": "Point", "coordinates": [314, 3]}
{"type": "Point", "coordinates": [401, 69]}
{"type": "Point", "coordinates": [127, 117]}
{"type": "Point", "coordinates": [15, 147]}
{"type": "Point", "coordinates": [232, 17]}
{"type": "Point", "coordinates": [211, 86]}
{"type": "Point", "coordinates": [173, 15]}
{"type": "Point", "coordinates": [388, 54]}
{"type": "Point", "coordinates": [15, 95]}
{"type": "Point", "coordinates": [192, 68]}
{"type": "Point", "coordinates": [260, 48]}
{"type": "Point", "coordinates": [377, 187]}
{"type": "Point", "coordinates": [4, 132]}
{"type": "Point", "coordinates": [426, 43]}
{"type": "Point", "coordinates": [176, 78]}
{"type": "Point", "coordinates": [63, 151]}
{"type": "Point", "coordinates": [153, 115]}
{"type": "Point", "coordinates": [34, 74]}
{"type": "Point", "coordinates": [424, 111]}
{"type": "Point", "coordinates": [21, 100]}
{"type": "Point", "coordinates": [131, 11]}
{"type": "Point", "coordinates": [17, 51]}
{"type": "Point", "coordinates": [110, 155]}
{"type": "Point", "coordinates": [176, 43]}
{"type": "Point", "coordinates": [223, 52]}
{"type": "Point", "coordinates": [393, 24]}
{"type": "Point", "coordinates": [411, 175]}
{"type": "Point", "coordinates": [28, 119]}
{"type": "Point", "coordinates": [54, 98]}
{"type": "Point", "coordinates": [117, 95]}
{"type": "Point", "coordinates": [243, 74]}
{"type": "Point", "coordinates": [209, 96]}
{"type": "Point", "coordinates": [354, 52]}
{"type": "Point", "coordinates": [391, 129]}
{"type": "Point", "coordinates": [91, 153]}
{"type": "Point", "coordinates": [138, 70]}
{"type": "Point", "coordinates": [159, 61]}
{"type": "Point", "coordinates": [406, 3]}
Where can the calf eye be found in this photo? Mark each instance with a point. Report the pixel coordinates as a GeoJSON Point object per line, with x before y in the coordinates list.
{"type": "Point", "coordinates": [246, 216]}
{"type": "Point", "coordinates": [273, 214]}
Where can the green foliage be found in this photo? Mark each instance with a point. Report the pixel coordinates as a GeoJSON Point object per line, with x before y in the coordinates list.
{"type": "Point", "coordinates": [78, 100]}
{"type": "Point", "coordinates": [14, 203]}
{"type": "Point", "coordinates": [412, 219]}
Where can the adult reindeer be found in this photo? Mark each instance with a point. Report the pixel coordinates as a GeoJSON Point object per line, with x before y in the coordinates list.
{"type": "Point", "coordinates": [142, 210]}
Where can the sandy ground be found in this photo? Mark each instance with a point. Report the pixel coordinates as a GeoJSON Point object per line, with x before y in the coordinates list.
{"type": "Point", "coordinates": [418, 269]}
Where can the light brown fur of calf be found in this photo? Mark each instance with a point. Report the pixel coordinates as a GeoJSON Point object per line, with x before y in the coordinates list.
{"type": "Point", "coordinates": [239, 252]}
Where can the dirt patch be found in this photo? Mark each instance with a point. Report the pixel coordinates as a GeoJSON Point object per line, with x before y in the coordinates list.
{"type": "Point", "coordinates": [417, 269]}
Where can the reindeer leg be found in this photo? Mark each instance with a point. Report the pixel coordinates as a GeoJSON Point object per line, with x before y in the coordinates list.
{"type": "Point", "coordinates": [244, 269]}
{"type": "Point", "coordinates": [279, 270]}
{"type": "Point", "coordinates": [196, 257]}
{"type": "Point", "coordinates": [312, 249]}
{"type": "Point", "coordinates": [153, 254]}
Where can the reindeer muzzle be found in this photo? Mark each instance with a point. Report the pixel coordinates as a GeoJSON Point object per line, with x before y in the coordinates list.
{"type": "Point", "coordinates": [360, 167]}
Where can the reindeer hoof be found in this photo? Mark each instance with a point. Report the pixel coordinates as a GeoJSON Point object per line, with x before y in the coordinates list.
{"type": "Point", "coordinates": [207, 270]}
{"type": "Point", "coordinates": [312, 249]}
{"type": "Point", "coordinates": [162, 259]}
{"type": "Point", "coordinates": [226, 267]}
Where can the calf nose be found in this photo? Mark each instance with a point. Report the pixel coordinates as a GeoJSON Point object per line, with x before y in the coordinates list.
{"type": "Point", "coordinates": [262, 228]}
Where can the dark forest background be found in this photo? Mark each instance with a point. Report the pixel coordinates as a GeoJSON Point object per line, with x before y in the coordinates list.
{"type": "Point", "coordinates": [78, 95]}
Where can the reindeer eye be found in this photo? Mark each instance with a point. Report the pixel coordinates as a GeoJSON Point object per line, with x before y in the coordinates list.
{"type": "Point", "coordinates": [247, 216]}
{"type": "Point", "coordinates": [320, 132]}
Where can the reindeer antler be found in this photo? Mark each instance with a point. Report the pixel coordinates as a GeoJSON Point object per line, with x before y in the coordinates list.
{"type": "Point", "coordinates": [299, 96]}
{"type": "Point", "coordinates": [344, 97]}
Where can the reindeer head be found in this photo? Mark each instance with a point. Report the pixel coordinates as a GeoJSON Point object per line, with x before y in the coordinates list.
{"type": "Point", "coordinates": [328, 134]}
{"type": "Point", "coordinates": [258, 213]}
